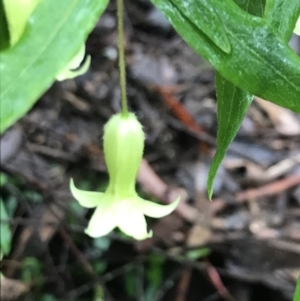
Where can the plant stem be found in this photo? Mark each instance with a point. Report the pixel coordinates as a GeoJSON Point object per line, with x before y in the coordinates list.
{"type": "Point", "coordinates": [120, 11]}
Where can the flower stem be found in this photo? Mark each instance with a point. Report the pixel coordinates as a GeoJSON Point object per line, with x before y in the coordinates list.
{"type": "Point", "coordinates": [120, 11]}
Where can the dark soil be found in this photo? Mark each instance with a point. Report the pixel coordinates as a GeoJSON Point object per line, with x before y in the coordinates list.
{"type": "Point", "coordinates": [243, 246]}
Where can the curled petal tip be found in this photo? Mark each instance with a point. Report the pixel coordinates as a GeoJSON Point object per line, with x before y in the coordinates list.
{"type": "Point", "coordinates": [87, 199]}
{"type": "Point", "coordinates": [156, 210]}
{"type": "Point", "coordinates": [74, 69]}
{"type": "Point", "coordinates": [146, 236]}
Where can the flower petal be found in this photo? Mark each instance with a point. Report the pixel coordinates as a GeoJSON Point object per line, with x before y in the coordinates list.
{"type": "Point", "coordinates": [156, 210]}
{"type": "Point", "coordinates": [297, 28]}
{"type": "Point", "coordinates": [131, 221]}
{"type": "Point", "coordinates": [104, 219]}
{"type": "Point", "coordinates": [75, 67]}
{"type": "Point", "coordinates": [87, 199]}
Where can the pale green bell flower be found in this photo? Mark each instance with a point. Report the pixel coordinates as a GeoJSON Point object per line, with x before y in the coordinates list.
{"type": "Point", "coordinates": [120, 206]}
{"type": "Point", "coordinates": [297, 28]}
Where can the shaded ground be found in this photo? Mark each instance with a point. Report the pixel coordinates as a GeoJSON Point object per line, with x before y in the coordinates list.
{"type": "Point", "coordinates": [243, 246]}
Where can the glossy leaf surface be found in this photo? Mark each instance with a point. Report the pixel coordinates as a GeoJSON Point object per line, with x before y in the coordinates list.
{"type": "Point", "coordinates": [232, 103]}
{"type": "Point", "coordinates": [209, 21]}
{"type": "Point", "coordinates": [260, 61]}
{"type": "Point", "coordinates": [48, 44]}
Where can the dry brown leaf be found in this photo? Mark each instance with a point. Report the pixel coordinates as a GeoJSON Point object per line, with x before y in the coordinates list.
{"type": "Point", "coordinates": [283, 119]}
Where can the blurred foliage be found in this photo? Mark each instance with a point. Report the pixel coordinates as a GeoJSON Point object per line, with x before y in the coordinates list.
{"type": "Point", "coordinates": [99, 294]}
{"type": "Point", "coordinates": [47, 297]}
{"type": "Point", "coordinates": [154, 271]}
{"type": "Point", "coordinates": [197, 254]}
{"type": "Point", "coordinates": [297, 291]}
{"type": "Point", "coordinates": [32, 269]}
{"type": "Point", "coordinates": [33, 196]}
{"type": "Point", "coordinates": [3, 179]}
{"type": "Point", "coordinates": [6, 235]}
{"type": "Point", "coordinates": [247, 64]}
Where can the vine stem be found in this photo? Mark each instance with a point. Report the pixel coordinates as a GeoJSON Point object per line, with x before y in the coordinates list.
{"type": "Point", "coordinates": [120, 15]}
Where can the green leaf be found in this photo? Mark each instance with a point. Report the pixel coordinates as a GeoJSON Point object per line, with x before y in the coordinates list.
{"type": "Point", "coordinates": [5, 237]}
{"type": "Point", "coordinates": [3, 179]}
{"type": "Point", "coordinates": [282, 16]}
{"type": "Point", "coordinates": [47, 297]}
{"type": "Point", "coordinates": [99, 267]}
{"type": "Point", "coordinates": [17, 14]}
{"type": "Point", "coordinates": [233, 104]}
{"type": "Point", "coordinates": [33, 196]}
{"type": "Point", "coordinates": [253, 7]}
{"type": "Point", "coordinates": [260, 62]}
{"type": "Point", "coordinates": [99, 293]}
{"type": "Point", "coordinates": [212, 27]}
{"type": "Point", "coordinates": [155, 270]}
{"type": "Point", "coordinates": [11, 204]}
{"type": "Point", "coordinates": [297, 291]}
{"type": "Point", "coordinates": [56, 32]}
{"type": "Point", "coordinates": [130, 283]}
{"type": "Point", "coordinates": [197, 254]}
{"type": "Point", "coordinates": [31, 269]}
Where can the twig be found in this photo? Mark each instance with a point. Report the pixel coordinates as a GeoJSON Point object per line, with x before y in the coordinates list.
{"type": "Point", "coordinates": [252, 194]}
{"type": "Point", "coordinates": [86, 265]}
{"type": "Point", "coordinates": [217, 282]}
{"type": "Point", "coordinates": [183, 115]}
{"type": "Point", "coordinates": [154, 185]}
{"type": "Point", "coordinates": [183, 285]}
